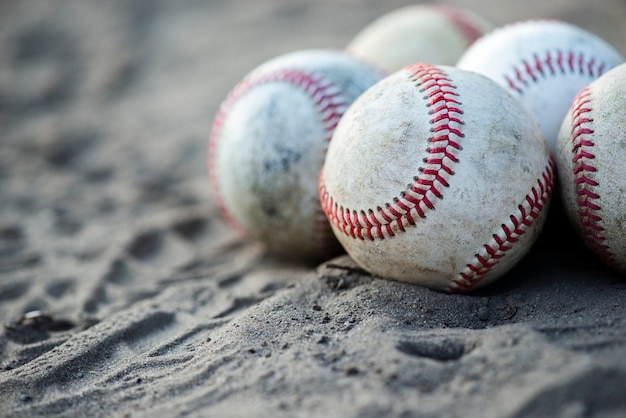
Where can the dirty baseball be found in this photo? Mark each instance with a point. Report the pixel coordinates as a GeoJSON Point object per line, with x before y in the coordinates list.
{"type": "Point", "coordinates": [437, 176]}
{"type": "Point", "coordinates": [543, 63]}
{"type": "Point", "coordinates": [590, 155]}
{"type": "Point", "coordinates": [438, 34]}
{"type": "Point", "coordinates": [268, 143]}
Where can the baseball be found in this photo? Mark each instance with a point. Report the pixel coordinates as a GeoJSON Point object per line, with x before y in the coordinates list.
{"type": "Point", "coordinates": [437, 176]}
{"type": "Point", "coordinates": [544, 64]}
{"type": "Point", "coordinates": [268, 143]}
{"type": "Point", "coordinates": [438, 34]}
{"type": "Point", "coordinates": [592, 170]}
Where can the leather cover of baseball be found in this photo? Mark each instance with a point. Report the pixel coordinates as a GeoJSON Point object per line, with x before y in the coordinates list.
{"type": "Point", "coordinates": [592, 170]}
{"type": "Point", "coordinates": [543, 63]}
{"type": "Point", "coordinates": [437, 176]}
{"type": "Point", "coordinates": [434, 33]}
{"type": "Point", "coordinates": [268, 143]}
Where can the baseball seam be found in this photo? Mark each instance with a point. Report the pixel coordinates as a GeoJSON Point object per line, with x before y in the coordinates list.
{"type": "Point", "coordinates": [326, 97]}
{"type": "Point", "coordinates": [509, 233]}
{"type": "Point", "coordinates": [539, 67]}
{"type": "Point", "coordinates": [587, 199]}
{"type": "Point", "coordinates": [414, 202]}
{"type": "Point", "coordinates": [467, 28]}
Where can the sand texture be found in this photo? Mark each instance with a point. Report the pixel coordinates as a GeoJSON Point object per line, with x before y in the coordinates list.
{"type": "Point", "coordinates": [143, 302]}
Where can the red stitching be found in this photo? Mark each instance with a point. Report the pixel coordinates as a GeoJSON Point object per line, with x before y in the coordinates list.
{"type": "Point", "coordinates": [582, 157]}
{"type": "Point", "coordinates": [417, 199]}
{"type": "Point", "coordinates": [326, 96]}
{"type": "Point", "coordinates": [539, 67]}
{"type": "Point", "coordinates": [461, 22]}
{"type": "Point", "coordinates": [502, 242]}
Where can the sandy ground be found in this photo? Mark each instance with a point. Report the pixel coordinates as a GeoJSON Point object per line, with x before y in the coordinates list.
{"type": "Point", "coordinates": [150, 306]}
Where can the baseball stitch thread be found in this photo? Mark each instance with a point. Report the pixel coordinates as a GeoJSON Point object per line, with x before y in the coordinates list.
{"type": "Point", "coordinates": [552, 62]}
{"type": "Point", "coordinates": [582, 158]}
{"type": "Point", "coordinates": [463, 24]}
{"type": "Point", "coordinates": [509, 234]}
{"type": "Point", "coordinates": [414, 202]}
{"type": "Point", "coordinates": [326, 97]}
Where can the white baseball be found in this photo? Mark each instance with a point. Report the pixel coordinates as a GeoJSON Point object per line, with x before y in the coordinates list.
{"type": "Point", "coordinates": [544, 63]}
{"type": "Point", "coordinates": [268, 143]}
{"type": "Point", "coordinates": [438, 34]}
{"type": "Point", "coordinates": [590, 152]}
{"type": "Point", "coordinates": [437, 176]}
